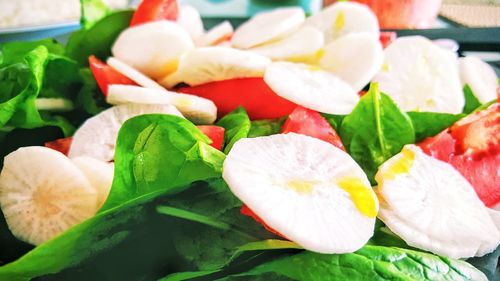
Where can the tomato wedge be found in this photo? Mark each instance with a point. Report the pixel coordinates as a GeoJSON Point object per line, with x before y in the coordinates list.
{"type": "Point", "coordinates": [105, 75]}
{"type": "Point", "coordinates": [387, 37]}
{"type": "Point", "coordinates": [310, 123]}
{"type": "Point", "coordinates": [441, 147]}
{"type": "Point", "coordinates": [153, 10]}
{"type": "Point", "coordinates": [61, 145]}
{"type": "Point", "coordinates": [253, 94]}
{"type": "Point", "coordinates": [215, 133]}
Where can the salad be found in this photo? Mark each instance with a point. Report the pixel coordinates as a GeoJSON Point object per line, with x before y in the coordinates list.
{"type": "Point", "coordinates": [292, 147]}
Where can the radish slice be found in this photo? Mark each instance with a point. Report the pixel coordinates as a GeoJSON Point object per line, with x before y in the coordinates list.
{"type": "Point", "coordinates": [197, 109]}
{"type": "Point", "coordinates": [355, 58]}
{"type": "Point", "coordinates": [153, 48]}
{"type": "Point", "coordinates": [480, 76]}
{"type": "Point", "coordinates": [311, 87]}
{"type": "Point", "coordinates": [344, 18]}
{"type": "Point", "coordinates": [420, 76]}
{"type": "Point", "coordinates": [133, 74]}
{"type": "Point", "coordinates": [210, 64]}
{"type": "Point", "coordinates": [189, 18]}
{"type": "Point", "coordinates": [301, 46]}
{"type": "Point", "coordinates": [306, 189]}
{"type": "Point", "coordinates": [268, 26]}
{"type": "Point", "coordinates": [221, 32]}
{"type": "Point", "coordinates": [433, 207]}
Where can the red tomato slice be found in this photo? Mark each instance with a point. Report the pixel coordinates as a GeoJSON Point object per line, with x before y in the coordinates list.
{"type": "Point", "coordinates": [479, 133]}
{"type": "Point", "coordinates": [249, 213]}
{"type": "Point", "coordinates": [310, 123]}
{"type": "Point", "coordinates": [105, 75]}
{"type": "Point", "coordinates": [153, 10]}
{"type": "Point", "coordinates": [215, 133]}
{"type": "Point", "coordinates": [387, 37]}
{"type": "Point", "coordinates": [61, 145]}
{"type": "Point", "coordinates": [253, 94]}
{"type": "Point", "coordinates": [441, 147]}
{"type": "Point", "coordinates": [483, 174]}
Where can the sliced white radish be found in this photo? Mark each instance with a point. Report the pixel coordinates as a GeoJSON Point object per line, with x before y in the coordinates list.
{"type": "Point", "coordinates": [153, 48]}
{"type": "Point", "coordinates": [301, 46]}
{"type": "Point", "coordinates": [420, 76]}
{"type": "Point", "coordinates": [97, 136]}
{"type": "Point", "coordinates": [42, 194]}
{"type": "Point", "coordinates": [433, 207]}
{"type": "Point", "coordinates": [54, 104]}
{"type": "Point", "coordinates": [189, 18]}
{"type": "Point", "coordinates": [210, 64]}
{"type": "Point", "coordinates": [480, 76]}
{"type": "Point", "coordinates": [132, 73]}
{"type": "Point", "coordinates": [308, 190]}
{"type": "Point", "coordinates": [217, 34]}
{"type": "Point", "coordinates": [355, 58]}
{"type": "Point", "coordinates": [197, 109]}
{"type": "Point", "coordinates": [98, 173]}
{"type": "Point", "coordinates": [344, 18]}
{"type": "Point", "coordinates": [311, 87]}
{"type": "Point", "coordinates": [268, 26]}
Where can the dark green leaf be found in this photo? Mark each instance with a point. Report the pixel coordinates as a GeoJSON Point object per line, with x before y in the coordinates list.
{"type": "Point", "coordinates": [89, 98]}
{"type": "Point", "coordinates": [334, 120]}
{"type": "Point", "coordinates": [261, 128]}
{"type": "Point", "coordinates": [160, 152]}
{"type": "Point", "coordinates": [369, 263]}
{"type": "Point", "coordinates": [98, 39]}
{"type": "Point", "coordinates": [375, 131]}
{"type": "Point", "coordinates": [471, 102]}
{"type": "Point", "coordinates": [488, 264]}
{"type": "Point", "coordinates": [236, 125]}
{"type": "Point", "coordinates": [92, 12]}
{"type": "Point", "coordinates": [429, 124]}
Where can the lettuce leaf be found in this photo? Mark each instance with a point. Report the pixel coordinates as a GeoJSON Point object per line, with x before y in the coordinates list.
{"type": "Point", "coordinates": [237, 126]}
{"type": "Point", "coordinates": [261, 128]}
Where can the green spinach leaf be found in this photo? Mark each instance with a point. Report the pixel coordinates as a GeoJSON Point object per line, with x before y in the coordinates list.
{"type": "Point", "coordinates": [261, 128]}
{"type": "Point", "coordinates": [92, 12]}
{"type": "Point", "coordinates": [334, 120]}
{"type": "Point", "coordinates": [236, 125]}
{"type": "Point", "coordinates": [429, 124]}
{"type": "Point", "coordinates": [471, 102]}
{"type": "Point", "coordinates": [375, 131]}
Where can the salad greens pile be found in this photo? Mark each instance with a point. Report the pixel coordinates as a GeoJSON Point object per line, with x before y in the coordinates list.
{"type": "Point", "coordinates": [169, 215]}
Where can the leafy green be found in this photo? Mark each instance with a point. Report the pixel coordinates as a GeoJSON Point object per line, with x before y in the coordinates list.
{"type": "Point", "coordinates": [488, 264]}
{"type": "Point", "coordinates": [375, 131]}
{"type": "Point", "coordinates": [155, 153]}
{"type": "Point", "coordinates": [159, 152]}
{"type": "Point", "coordinates": [98, 39]}
{"type": "Point", "coordinates": [429, 124]}
{"type": "Point", "coordinates": [334, 120]}
{"type": "Point", "coordinates": [261, 128]}
{"type": "Point", "coordinates": [368, 263]}
{"type": "Point", "coordinates": [236, 125]}
{"type": "Point", "coordinates": [92, 12]}
{"type": "Point", "coordinates": [471, 102]}
{"type": "Point", "coordinates": [15, 51]}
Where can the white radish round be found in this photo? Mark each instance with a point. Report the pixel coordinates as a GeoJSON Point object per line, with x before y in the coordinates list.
{"type": "Point", "coordinates": [217, 34]}
{"type": "Point", "coordinates": [197, 109]}
{"type": "Point", "coordinates": [311, 87]}
{"type": "Point", "coordinates": [268, 26]}
{"type": "Point", "coordinates": [153, 48]}
{"type": "Point", "coordinates": [133, 74]}
{"type": "Point", "coordinates": [42, 194]}
{"type": "Point", "coordinates": [96, 138]}
{"type": "Point", "coordinates": [355, 58]}
{"type": "Point", "coordinates": [431, 206]}
{"type": "Point", "coordinates": [210, 64]}
{"type": "Point", "coordinates": [189, 18]}
{"type": "Point", "coordinates": [98, 173]}
{"type": "Point", "coordinates": [420, 76]}
{"type": "Point", "coordinates": [480, 76]}
{"type": "Point", "coordinates": [308, 190]}
{"type": "Point", "coordinates": [301, 46]}
{"type": "Point", "coordinates": [344, 18]}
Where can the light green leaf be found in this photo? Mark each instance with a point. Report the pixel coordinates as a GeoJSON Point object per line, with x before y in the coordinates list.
{"type": "Point", "coordinates": [237, 126]}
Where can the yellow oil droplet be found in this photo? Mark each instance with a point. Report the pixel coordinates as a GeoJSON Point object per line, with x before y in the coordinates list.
{"type": "Point", "coordinates": [398, 167]}
{"type": "Point", "coordinates": [183, 101]}
{"type": "Point", "coordinates": [430, 103]}
{"type": "Point", "coordinates": [386, 67]}
{"type": "Point", "coordinates": [360, 194]}
{"type": "Point", "coordinates": [169, 68]}
{"type": "Point", "coordinates": [309, 59]}
{"type": "Point", "coordinates": [314, 68]}
{"type": "Point", "coordinates": [300, 186]}
{"type": "Point", "coordinates": [339, 22]}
